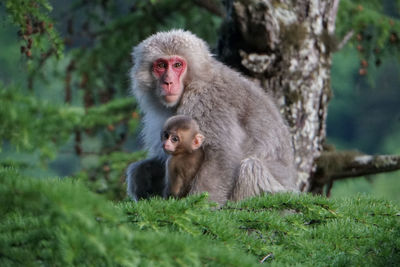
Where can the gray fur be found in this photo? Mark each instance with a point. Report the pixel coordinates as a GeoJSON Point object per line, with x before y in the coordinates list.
{"type": "Point", "coordinates": [248, 148]}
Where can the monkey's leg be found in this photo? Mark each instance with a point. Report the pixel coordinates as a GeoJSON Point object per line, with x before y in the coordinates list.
{"type": "Point", "coordinates": [215, 176]}
{"type": "Point", "coordinates": [146, 178]}
{"type": "Point", "coordinates": [255, 178]}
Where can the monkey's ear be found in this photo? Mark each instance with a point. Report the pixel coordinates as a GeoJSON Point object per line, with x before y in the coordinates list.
{"type": "Point", "coordinates": [197, 141]}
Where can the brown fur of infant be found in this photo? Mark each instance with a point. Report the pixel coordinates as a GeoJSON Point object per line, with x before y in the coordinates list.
{"type": "Point", "coordinates": [182, 140]}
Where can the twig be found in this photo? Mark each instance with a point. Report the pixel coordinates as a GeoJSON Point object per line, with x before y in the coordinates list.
{"type": "Point", "coordinates": [270, 255]}
{"type": "Point", "coordinates": [329, 188]}
{"type": "Point", "coordinates": [345, 40]}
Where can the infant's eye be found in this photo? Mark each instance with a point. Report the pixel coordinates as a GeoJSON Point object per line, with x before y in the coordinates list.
{"type": "Point", "coordinates": [178, 65]}
{"type": "Point", "coordinates": [166, 135]}
{"type": "Point", "coordinates": [175, 139]}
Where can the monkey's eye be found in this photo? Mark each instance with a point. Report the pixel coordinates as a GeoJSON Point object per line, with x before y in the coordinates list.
{"type": "Point", "coordinates": [177, 65]}
{"type": "Point", "coordinates": [161, 65]}
{"type": "Point", "coordinates": [166, 135]}
{"type": "Point", "coordinates": [175, 139]}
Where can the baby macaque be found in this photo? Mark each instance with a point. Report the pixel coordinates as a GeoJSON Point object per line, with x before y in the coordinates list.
{"type": "Point", "coordinates": [182, 140]}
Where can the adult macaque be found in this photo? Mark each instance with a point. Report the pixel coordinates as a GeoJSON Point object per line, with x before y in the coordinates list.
{"type": "Point", "coordinates": [182, 140]}
{"type": "Point", "coordinates": [247, 145]}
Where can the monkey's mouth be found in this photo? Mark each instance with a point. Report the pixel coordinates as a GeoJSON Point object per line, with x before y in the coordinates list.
{"type": "Point", "coordinates": [169, 94]}
{"type": "Point", "coordinates": [171, 98]}
{"type": "Point", "coordinates": [169, 152]}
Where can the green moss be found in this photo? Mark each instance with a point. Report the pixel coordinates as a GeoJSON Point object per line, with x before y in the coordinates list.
{"type": "Point", "coordinates": [330, 41]}
{"type": "Point", "coordinates": [332, 161]}
{"type": "Point", "coordinates": [60, 223]}
{"type": "Point", "coordinates": [292, 96]}
{"type": "Point", "coordinates": [293, 35]}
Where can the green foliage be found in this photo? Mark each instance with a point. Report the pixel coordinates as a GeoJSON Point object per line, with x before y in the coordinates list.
{"type": "Point", "coordinates": [31, 123]}
{"type": "Point", "coordinates": [32, 17]}
{"type": "Point", "coordinates": [110, 113]}
{"type": "Point", "coordinates": [107, 175]}
{"type": "Point", "coordinates": [59, 222]}
{"type": "Point", "coordinates": [292, 229]}
{"type": "Point", "coordinates": [376, 28]}
{"type": "Point", "coordinates": [39, 126]}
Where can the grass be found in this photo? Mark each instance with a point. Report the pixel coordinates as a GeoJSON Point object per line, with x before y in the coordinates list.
{"type": "Point", "coordinates": [60, 223]}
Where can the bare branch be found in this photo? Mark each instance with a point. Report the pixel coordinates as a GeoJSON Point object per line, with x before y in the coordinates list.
{"type": "Point", "coordinates": [367, 165]}
{"type": "Point", "coordinates": [345, 40]}
{"type": "Point", "coordinates": [213, 6]}
{"type": "Point", "coordinates": [338, 165]}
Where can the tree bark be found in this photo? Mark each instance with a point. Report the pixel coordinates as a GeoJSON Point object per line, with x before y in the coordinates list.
{"type": "Point", "coordinates": [286, 47]}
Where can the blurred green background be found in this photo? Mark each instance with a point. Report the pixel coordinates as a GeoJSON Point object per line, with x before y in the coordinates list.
{"type": "Point", "coordinates": [66, 109]}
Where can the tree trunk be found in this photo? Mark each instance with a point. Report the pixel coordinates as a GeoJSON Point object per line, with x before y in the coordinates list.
{"type": "Point", "coordinates": [286, 47]}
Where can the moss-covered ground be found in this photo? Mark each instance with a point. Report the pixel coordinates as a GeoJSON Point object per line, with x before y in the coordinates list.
{"type": "Point", "coordinates": [59, 222]}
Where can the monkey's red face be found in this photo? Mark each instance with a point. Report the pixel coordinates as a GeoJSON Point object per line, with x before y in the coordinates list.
{"type": "Point", "coordinates": [170, 73]}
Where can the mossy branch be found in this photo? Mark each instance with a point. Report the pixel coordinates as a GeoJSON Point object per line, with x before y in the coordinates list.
{"type": "Point", "coordinates": [338, 165]}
